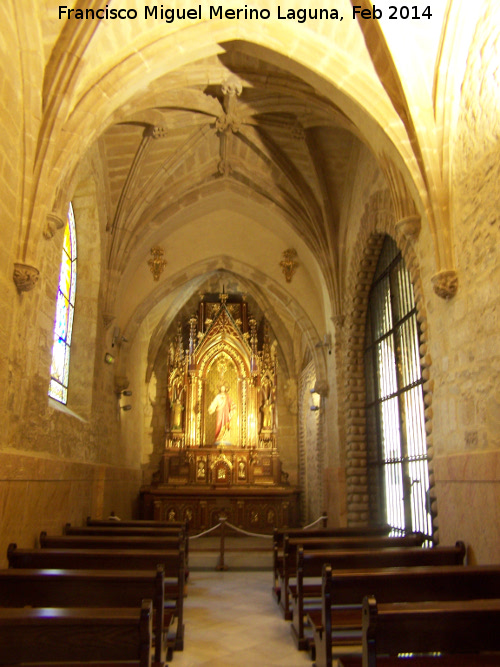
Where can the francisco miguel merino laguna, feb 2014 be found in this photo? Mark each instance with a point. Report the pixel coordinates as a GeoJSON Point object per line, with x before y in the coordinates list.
{"type": "Point", "coordinates": [169, 14]}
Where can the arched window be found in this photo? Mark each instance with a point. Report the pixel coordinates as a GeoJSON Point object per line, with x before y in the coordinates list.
{"type": "Point", "coordinates": [65, 307]}
{"type": "Point", "coordinates": [397, 451]}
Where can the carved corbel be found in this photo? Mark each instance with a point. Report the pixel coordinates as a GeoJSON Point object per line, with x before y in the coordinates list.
{"type": "Point", "coordinates": [54, 222]}
{"type": "Point", "coordinates": [338, 321]}
{"type": "Point", "coordinates": [445, 283]}
{"type": "Point", "coordinates": [409, 226]}
{"type": "Point", "coordinates": [25, 277]}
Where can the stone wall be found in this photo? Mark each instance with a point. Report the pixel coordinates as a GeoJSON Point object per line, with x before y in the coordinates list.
{"type": "Point", "coordinates": [465, 331]}
{"type": "Point", "coordinates": [43, 493]}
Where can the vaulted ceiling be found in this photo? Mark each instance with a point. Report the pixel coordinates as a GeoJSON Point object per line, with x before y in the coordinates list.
{"type": "Point", "coordinates": [226, 137]}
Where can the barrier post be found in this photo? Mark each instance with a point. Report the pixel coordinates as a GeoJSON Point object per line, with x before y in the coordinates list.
{"type": "Point", "coordinates": [221, 565]}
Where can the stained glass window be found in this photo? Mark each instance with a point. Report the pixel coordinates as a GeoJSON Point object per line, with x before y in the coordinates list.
{"type": "Point", "coordinates": [65, 306]}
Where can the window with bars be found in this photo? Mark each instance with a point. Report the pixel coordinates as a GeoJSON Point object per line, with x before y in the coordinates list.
{"type": "Point", "coordinates": [65, 305]}
{"type": "Point", "coordinates": [398, 476]}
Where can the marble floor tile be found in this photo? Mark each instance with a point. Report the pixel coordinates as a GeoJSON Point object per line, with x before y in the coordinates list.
{"type": "Point", "coordinates": [232, 620]}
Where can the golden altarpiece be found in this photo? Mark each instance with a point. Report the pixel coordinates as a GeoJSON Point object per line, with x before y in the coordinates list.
{"type": "Point", "coordinates": [221, 454]}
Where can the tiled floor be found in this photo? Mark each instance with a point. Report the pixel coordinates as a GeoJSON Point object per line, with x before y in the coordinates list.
{"type": "Point", "coordinates": [232, 620]}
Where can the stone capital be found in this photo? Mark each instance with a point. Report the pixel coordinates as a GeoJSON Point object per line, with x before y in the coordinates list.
{"type": "Point", "coordinates": [25, 277]}
{"type": "Point", "coordinates": [445, 283]}
{"type": "Point", "coordinates": [338, 321]}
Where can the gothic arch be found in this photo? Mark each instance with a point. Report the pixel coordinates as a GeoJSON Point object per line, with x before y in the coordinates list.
{"type": "Point", "coordinates": [378, 220]}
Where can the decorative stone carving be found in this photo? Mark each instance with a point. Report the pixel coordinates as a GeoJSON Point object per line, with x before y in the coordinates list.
{"type": "Point", "coordinates": [232, 85]}
{"type": "Point", "coordinates": [445, 283]}
{"type": "Point", "coordinates": [224, 167]}
{"type": "Point", "coordinates": [54, 222]}
{"type": "Point", "coordinates": [157, 263]}
{"type": "Point", "coordinates": [25, 277]}
{"type": "Point", "coordinates": [289, 264]}
{"type": "Point", "coordinates": [409, 226]}
{"type": "Point", "coordinates": [159, 132]}
{"type": "Point", "coordinates": [228, 122]}
{"type": "Point", "coordinates": [338, 321]}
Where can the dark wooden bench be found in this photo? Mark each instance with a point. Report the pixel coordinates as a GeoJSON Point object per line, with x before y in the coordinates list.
{"type": "Point", "coordinates": [110, 542]}
{"type": "Point", "coordinates": [131, 531]}
{"type": "Point", "coordinates": [58, 635]}
{"type": "Point", "coordinates": [461, 633]}
{"type": "Point", "coordinates": [310, 571]}
{"type": "Point", "coordinates": [137, 523]}
{"type": "Point", "coordinates": [291, 545]}
{"type": "Point", "coordinates": [91, 588]}
{"type": "Point", "coordinates": [339, 621]}
{"type": "Point", "coordinates": [280, 534]}
{"type": "Point", "coordinates": [171, 560]}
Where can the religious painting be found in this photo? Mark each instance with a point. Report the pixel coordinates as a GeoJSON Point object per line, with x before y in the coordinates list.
{"type": "Point", "coordinates": [222, 418]}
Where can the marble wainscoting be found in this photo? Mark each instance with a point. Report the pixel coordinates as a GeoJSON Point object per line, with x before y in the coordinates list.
{"type": "Point", "coordinates": [468, 500]}
{"type": "Point", "coordinates": [39, 493]}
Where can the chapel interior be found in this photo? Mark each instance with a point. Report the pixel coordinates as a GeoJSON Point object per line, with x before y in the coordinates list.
{"type": "Point", "coordinates": [280, 241]}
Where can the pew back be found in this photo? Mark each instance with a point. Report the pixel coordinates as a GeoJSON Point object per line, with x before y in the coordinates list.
{"type": "Point", "coordinates": [465, 626]}
{"type": "Point", "coordinates": [88, 588]}
{"type": "Point", "coordinates": [136, 523]}
{"type": "Point", "coordinates": [280, 534]}
{"type": "Point", "coordinates": [109, 542]}
{"type": "Point", "coordinates": [310, 570]}
{"type": "Point", "coordinates": [30, 635]}
{"type": "Point", "coordinates": [346, 589]}
{"type": "Point", "coordinates": [172, 561]}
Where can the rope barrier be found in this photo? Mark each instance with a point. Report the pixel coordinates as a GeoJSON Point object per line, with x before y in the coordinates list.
{"type": "Point", "coordinates": [205, 532]}
{"type": "Point", "coordinates": [245, 532]}
{"type": "Point", "coordinates": [321, 518]}
{"type": "Point", "coordinates": [223, 523]}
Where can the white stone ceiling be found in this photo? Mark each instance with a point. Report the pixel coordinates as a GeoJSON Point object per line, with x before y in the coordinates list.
{"type": "Point", "coordinates": [254, 135]}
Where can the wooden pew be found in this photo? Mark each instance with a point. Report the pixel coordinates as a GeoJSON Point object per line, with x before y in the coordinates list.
{"type": "Point", "coordinates": [110, 542]}
{"type": "Point", "coordinates": [131, 531]}
{"type": "Point", "coordinates": [339, 621]}
{"type": "Point", "coordinates": [291, 545]}
{"type": "Point", "coordinates": [136, 523]}
{"type": "Point", "coordinates": [279, 535]}
{"type": "Point", "coordinates": [57, 635]}
{"type": "Point", "coordinates": [310, 570]}
{"type": "Point", "coordinates": [464, 633]}
{"type": "Point", "coordinates": [172, 560]}
{"type": "Point", "coordinates": [90, 588]}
